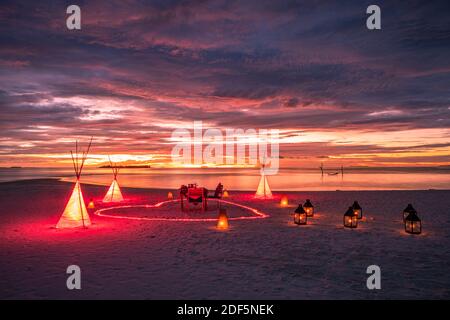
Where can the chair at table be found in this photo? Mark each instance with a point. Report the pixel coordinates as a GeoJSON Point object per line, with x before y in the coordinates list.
{"type": "Point", "coordinates": [196, 196]}
{"type": "Point", "coordinates": [193, 195]}
{"type": "Point", "coordinates": [218, 192]}
{"type": "Point", "coordinates": [183, 195]}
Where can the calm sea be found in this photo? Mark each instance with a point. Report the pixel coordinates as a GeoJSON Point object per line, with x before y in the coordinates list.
{"type": "Point", "coordinates": [247, 179]}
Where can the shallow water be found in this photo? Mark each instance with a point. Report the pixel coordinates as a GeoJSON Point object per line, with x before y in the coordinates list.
{"type": "Point", "coordinates": [247, 179]}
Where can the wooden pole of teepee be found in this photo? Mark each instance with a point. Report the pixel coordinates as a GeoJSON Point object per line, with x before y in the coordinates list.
{"type": "Point", "coordinates": [81, 207]}
{"type": "Point", "coordinates": [78, 169]}
{"type": "Point", "coordinates": [264, 182]}
{"type": "Point", "coordinates": [264, 175]}
{"type": "Point", "coordinates": [114, 175]}
{"type": "Point", "coordinates": [74, 165]}
{"type": "Point", "coordinates": [77, 173]}
{"type": "Point", "coordinates": [85, 155]}
{"type": "Point", "coordinates": [76, 158]}
{"type": "Point", "coordinates": [116, 172]}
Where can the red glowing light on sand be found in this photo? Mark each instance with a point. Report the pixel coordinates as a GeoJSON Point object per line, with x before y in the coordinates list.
{"type": "Point", "coordinates": [257, 214]}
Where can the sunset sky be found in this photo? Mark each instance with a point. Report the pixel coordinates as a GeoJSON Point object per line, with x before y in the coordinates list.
{"type": "Point", "coordinates": [137, 70]}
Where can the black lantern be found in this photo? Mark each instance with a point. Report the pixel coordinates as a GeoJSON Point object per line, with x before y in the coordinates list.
{"type": "Point", "coordinates": [357, 210]}
{"type": "Point", "coordinates": [409, 208]}
{"type": "Point", "coordinates": [309, 208]}
{"type": "Point", "coordinates": [300, 216]}
{"type": "Point", "coordinates": [350, 219]}
{"type": "Point", "coordinates": [412, 223]}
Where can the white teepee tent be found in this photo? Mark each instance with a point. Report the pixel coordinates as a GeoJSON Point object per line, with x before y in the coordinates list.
{"type": "Point", "coordinates": [114, 194]}
{"type": "Point", "coordinates": [75, 213]}
{"type": "Point", "coordinates": [263, 191]}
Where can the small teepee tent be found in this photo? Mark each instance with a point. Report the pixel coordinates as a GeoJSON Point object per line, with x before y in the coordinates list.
{"type": "Point", "coordinates": [263, 191]}
{"type": "Point", "coordinates": [75, 213]}
{"type": "Point", "coordinates": [114, 194]}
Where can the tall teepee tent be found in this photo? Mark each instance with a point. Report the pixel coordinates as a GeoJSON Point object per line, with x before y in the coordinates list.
{"type": "Point", "coordinates": [263, 191]}
{"type": "Point", "coordinates": [75, 213]}
{"type": "Point", "coordinates": [114, 194]}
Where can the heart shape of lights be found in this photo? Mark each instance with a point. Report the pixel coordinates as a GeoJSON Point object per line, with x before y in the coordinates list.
{"type": "Point", "coordinates": [256, 214]}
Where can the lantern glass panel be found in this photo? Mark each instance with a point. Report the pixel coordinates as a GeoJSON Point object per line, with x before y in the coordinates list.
{"type": "Point", "coordinates": [358, 213]}
{"type": "Point", "coordinates": [300, 218]}
{"type": "Point", "coordinates": [357, 210]}
{"type": "Point", "coordinates": [414, 227]}
{"type": "Point", "coordinates": [417, 227]}
{"type": "Point", "coordinates": [350, 221]}
{"type": "Point", "coordinates": [413, 224]}
{"type": "Point", "coordinates": [309, 208]}
{"type": "Point", "coordinates": [408, 226]}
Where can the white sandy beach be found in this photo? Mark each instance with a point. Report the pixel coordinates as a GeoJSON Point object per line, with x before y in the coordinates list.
{"type": "Point", "coordinates": [267, 258]}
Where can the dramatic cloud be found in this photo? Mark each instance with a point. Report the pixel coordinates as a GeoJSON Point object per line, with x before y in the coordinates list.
{"type": "Point", "coordinates": [139, 69]}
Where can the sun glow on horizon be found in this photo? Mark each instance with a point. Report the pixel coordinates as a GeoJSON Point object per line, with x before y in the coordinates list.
{"type": "Point", "coordinates": [374, 148]}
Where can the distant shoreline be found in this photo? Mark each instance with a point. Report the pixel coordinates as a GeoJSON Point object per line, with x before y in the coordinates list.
{"type": "Point", "coordinates": [126, 167]}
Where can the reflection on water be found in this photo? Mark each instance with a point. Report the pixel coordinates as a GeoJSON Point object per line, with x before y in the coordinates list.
{"type": "Point", "coordinates": [247, 179]}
